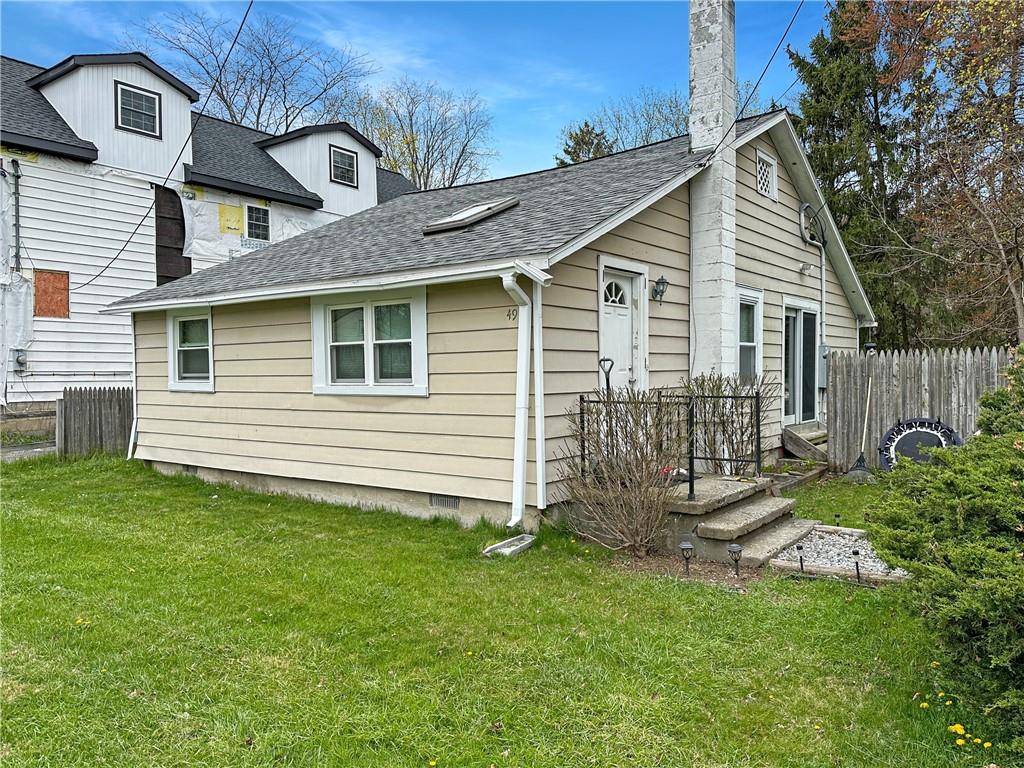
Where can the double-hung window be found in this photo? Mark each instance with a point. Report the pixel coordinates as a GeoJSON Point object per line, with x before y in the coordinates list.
{"type": "Point", "coordinates": [750, 334]}
{"type": "Point", "coordinates": [344, 166]}
{"type": "Point", "coordinates": [190, 351]}
{"type": "Point", "coordinates": [371, 344]}
{"type": "Point", "coordinates": [257, 223]}
{"type": "Point", "coordinates": [136, 109]}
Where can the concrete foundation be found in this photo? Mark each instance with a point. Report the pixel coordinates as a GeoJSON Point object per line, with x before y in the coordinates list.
{"type": "Point", "coordinates": [38, 418]}
{"type": "Point", "coordinates": [409, 503]}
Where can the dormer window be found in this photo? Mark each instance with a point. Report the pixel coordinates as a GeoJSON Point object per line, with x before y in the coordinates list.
{"type": "Point", "coordinates": [137, 110]}
{"type": "Point", "coordinates": [344, 166]}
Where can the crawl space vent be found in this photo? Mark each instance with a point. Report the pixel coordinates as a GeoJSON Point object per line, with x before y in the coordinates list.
{"type": "Point", "coordinates": [444, 501]}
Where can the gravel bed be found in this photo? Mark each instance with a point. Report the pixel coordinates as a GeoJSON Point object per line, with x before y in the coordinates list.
{"type": "Point", "coordinates": [836, 550]}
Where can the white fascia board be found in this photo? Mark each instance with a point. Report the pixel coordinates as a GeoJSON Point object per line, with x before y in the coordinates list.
{"type": "Point", "coordinates": [373, 282]}
{"type": "Point", "coordinates": [788, 144]}
{"type": "Point", "coordinates": [624, 215]}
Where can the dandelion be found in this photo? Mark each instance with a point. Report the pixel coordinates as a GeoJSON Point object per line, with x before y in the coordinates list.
{"type": "Point", "coordinates": [960, 742]}
{"type": "Point", "coordinates": [817, 727]}
{"type": "Point", "coordinates": [469, 653]}
{"type": "Point", "coordinates": [432, 763]}
{"type": "Point", "coordinates": [957, 729]}
{"type": "Point", "coordinates": [935, 665]}
{"type": "Point", "coordinates": [977, 741]}
{"type": "Point", "coordinates": [923, 705]}
{"type": "Point", "coordinates": [987, 745]}
{"type": "Point", "coordinates": [948, 702]}
{"type": "Point", "coordinates": [941, 694]}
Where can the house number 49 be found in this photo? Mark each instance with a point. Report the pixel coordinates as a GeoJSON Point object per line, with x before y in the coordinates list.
{"type": "Point", "coordinates": [513, 314]}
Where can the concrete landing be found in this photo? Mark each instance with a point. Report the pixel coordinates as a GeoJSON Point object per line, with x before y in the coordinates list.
{"type": "Point", "coordinates": [715, 492]}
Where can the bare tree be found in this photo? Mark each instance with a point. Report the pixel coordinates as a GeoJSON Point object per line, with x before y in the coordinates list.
{"type": "Point", "coordinates": [435, 137]}
{"type": "Point", "coordinates": [274, 81]}
{"type": "Point", "coordinates": [647, 116]}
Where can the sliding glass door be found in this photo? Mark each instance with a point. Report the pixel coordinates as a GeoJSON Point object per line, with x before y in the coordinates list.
{"type": "Point", "coordinates": [800, 365]}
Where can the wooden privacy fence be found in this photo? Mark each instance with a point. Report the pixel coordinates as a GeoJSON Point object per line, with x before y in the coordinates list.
{"type": "Point", "coordinates": [943, 384]}
{"type": "Point", "coordinates": [94, 420]}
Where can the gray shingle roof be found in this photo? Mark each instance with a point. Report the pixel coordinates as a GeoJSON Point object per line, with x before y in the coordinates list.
{"type": "Point", "coordinates": [29, 121]}
{"type": "Point", "coordinates": [225, 156]}
{"type": "Point", "coordinates": [555, 206]}
{"type": "Point", "coordinates": [391, 184]}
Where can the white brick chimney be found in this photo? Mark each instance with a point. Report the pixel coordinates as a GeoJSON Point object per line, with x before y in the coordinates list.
{"type": "Point", "coordinates": [713, 299]}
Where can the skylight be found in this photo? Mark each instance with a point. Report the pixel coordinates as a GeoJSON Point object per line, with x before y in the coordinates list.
{"type": "Point", "coordinates": [470, 215]}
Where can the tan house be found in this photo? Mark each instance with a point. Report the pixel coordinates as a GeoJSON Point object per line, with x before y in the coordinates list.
{"type": "Point", "coordinates": [422, 354]}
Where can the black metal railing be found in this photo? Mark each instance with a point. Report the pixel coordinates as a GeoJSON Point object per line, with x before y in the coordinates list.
{"type": "Point", "coordinates": [722, 432]}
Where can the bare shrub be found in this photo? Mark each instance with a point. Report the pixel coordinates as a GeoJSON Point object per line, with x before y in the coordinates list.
{"type": "Point", "coordinates": [726, 421]}
{"type": "Point", "coordinates": [619, 469]}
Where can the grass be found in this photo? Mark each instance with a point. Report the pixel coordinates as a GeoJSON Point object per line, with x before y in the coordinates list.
{"type": "Point", "coordinates": [9, 438]}
{"type": "Point", "coordinates": [163, 622]}
{"type": "Point", "coordinates": [823, 500]}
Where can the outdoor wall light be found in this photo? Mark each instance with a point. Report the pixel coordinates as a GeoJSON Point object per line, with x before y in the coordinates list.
{"type": "Point", "coordinates": [735, 553]}
{"type": "Point", "coordinates": [658, 291]}
{"type": "Point", "coordinates": [686, 550]}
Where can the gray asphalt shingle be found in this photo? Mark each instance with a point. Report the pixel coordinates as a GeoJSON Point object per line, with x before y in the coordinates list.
{"type": "Point", "coordinates": [26, 116]}
{"type": "Point", "coordinates": [555, 206]}
{"type": "Point", "coordinates": [227, 151]}
{"type": "Point", "coordinates": [391, 184]}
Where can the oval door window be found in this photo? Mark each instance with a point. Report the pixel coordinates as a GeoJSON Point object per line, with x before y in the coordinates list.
{"type": "Point", "coordinates": [614, 294]}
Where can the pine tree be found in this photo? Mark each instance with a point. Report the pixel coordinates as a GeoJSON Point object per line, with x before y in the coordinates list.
{"type": "Point", "coordinates": [853, 131]}
{"type": "Point", "coordinates": [583, 142]}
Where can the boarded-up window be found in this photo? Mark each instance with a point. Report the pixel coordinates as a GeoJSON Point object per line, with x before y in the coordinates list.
{"type": "Point", "coordinates": [51, 294]}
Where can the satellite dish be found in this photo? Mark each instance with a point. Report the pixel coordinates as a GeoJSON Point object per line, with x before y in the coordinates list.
{"type": "Point", "coordinates": [911, 437]}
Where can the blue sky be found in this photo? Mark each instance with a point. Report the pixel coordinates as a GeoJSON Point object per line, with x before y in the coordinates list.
{"type": "Point", "coordinates": [538, 65]}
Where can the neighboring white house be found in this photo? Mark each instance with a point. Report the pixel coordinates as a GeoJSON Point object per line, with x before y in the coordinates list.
{"type": "Point", "coordinates": [85, 146]}
{"type": "Point", "coordinates": [423, 354]}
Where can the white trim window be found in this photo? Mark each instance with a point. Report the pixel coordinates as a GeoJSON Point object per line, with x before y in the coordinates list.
{"type": "Point", "coordinates": [257, 223]}
{"type": "Point", "coordinates": [136, 110]}
{"type": "Point", "coordinates": [750, 334]}
{"type": "Point", "coordinates": [190, 350]}
{"type": "Point", "coordinates": [344, 166]}
{"type": "Point", "coordinates": [767, 171]}
{"type": "Point", "coordinates": [370, 343]}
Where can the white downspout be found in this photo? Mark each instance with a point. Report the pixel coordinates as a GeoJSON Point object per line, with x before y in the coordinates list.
{"type": "Point", "coordinates": [519, 296]}
{"type": "Point", "coordinates": [540, 460]}
{"type": "Point", "coordinates": [135, 395]}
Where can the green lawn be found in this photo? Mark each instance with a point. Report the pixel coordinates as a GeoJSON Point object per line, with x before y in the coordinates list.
{"type": "Point", "coordinates": [821, 501]}
{"type": "Point", "coordinates": [150, 621]}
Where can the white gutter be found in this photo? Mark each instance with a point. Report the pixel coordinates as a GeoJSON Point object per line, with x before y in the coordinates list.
{"type": "Point", "coordinates": [540, 458]}
{"type": "Point", "coordinates": [320, 288]}
{"type": "Point", "coordinates": [522, 417]}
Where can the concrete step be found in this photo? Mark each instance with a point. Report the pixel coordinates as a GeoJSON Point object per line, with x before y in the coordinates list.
{"type": "Point", "coordinates": [713, 492]}
{"type": "Point", "coordinates": [743, 517]}
{"type": "Point", "coordinates": [762, 545]}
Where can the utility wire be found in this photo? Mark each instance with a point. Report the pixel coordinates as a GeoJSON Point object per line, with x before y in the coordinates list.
{"type": "Point", "coordinates": [753, 90]}
{"type": "Point", "coordinates": [174, 165]}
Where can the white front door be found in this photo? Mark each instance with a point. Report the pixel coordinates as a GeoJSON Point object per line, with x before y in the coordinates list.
{"type": "Point", "coordinates": [620, 327]}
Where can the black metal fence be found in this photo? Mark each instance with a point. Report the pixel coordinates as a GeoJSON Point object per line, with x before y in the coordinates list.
{"type": "Point", "coordinates": [719, 434]}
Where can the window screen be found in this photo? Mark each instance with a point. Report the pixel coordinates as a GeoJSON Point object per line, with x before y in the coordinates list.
{"type": "Point", "coordinates": [348, 361]}
{"type": "Point", "coordinates": [748, 341]}
{"type": "Point", "coordinates": [392, 343]}
{"type": "Point", "coordinates": [193, 349]}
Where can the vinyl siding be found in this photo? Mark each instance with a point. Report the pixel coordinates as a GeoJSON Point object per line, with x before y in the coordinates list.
{"type": "Point", "coordinates": [263, 418]}
{"type": "Point", "coordinates": [769, 252]}
{"type": "Point", "coordinates": [308, 159]}
{"type": "Point", "coordinates": [75, 217]}
{"type": "Point", "coordinates": [657, 237]}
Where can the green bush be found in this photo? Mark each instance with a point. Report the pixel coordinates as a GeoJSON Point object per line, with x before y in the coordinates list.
{"type": "Point", "coordinates": [957, 524]}
{"type": "Point", "coordinates": [1002, 410]}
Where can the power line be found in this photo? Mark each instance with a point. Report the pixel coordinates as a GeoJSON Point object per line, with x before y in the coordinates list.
{"type": "Point", "coordinates": [174, 165]}
{"type": "Point", "coordinates": [756, 85]}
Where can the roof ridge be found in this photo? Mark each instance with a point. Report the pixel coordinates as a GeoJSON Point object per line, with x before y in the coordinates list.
{"type": "Point", "coordinates": [22, 61]}
{"type": "Point", "coordinates": [231, 122]}
{"type": "Point", "coordinates": [591, 159]}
